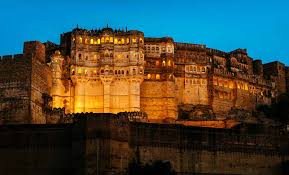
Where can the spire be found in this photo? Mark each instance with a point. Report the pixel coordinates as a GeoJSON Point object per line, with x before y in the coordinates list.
{"type": "Point", "coordinates": [77, 26]}
{"type": "Point", "coordinates": [106, 25]}
{"type": "Point", "coordinates": [125, 28]}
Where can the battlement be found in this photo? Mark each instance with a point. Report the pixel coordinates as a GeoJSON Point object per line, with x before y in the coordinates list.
{"type": "Point", "coordinates": [11, 57]}
{"type": "Point", "coordinates": [217, 52]}
{"type": "Point", "coordinates": [104, 31]}
{"type": "Point", "coordinates": [134, 116]}
{"type": "Point", "coordinates": [188, 46]}
{"type": "Point", "coordinates": [159, 40]}
{"type": "Point", "coordinates": [239, 51]}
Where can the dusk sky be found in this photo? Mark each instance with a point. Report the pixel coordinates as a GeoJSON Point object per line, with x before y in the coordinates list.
{"type": "Point", "coordinates": [261, 26]}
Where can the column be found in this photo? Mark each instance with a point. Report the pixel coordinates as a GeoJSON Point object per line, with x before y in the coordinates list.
{"type": "Point", "coordinates": [106, 93]}
{"type": "Point", "coordinates": [134, 93]}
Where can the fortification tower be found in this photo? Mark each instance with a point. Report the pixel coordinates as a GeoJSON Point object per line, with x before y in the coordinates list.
{"type": "Point", "coordinates": [158, 89]}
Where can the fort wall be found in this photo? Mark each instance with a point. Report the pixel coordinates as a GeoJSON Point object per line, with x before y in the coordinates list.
{"type": "Point", "coordinates": [107, 143]}
{"type": "Point", "coordinates": [15, 81]}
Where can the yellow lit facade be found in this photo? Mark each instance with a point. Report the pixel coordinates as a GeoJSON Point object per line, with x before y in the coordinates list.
{"type": "Point", "coordinates": [115, 71]}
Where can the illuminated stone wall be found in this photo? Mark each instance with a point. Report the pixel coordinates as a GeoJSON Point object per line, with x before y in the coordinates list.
{"type": "Point", "coordinates": [106, 70]}
{"type": "Point", "coordinates": [158, 91]}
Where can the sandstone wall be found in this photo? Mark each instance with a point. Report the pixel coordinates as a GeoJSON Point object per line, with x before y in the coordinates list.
{"type": "Point", "coordinates": [41, 81]}
{"type": "Point", "coordinates": [158, 99]}
{"type": "Point", "coordinates": [209, 152]}
{"type": "Point", "coordinates": [15, 89]}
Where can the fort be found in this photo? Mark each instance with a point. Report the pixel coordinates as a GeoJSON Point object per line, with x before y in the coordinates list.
{"type": "Point", "coordinates": [102, 99]}
{"type": "Point", "coordinates": [111, 71]}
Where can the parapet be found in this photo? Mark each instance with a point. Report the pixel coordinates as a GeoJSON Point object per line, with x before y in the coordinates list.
{"type": "Point", "coordinates": [188, 46]}
{"type": "Point", "coordinates": [217, 52]}
{"type": "Point", "coordinates": [159, 40]}
{"type": "Point", "coordinates": [106, 30]}
{"type": "Point", "coordinates": [11, 58]}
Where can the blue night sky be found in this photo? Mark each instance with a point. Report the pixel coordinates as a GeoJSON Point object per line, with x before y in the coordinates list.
{"type": "Point", "coordinates": [260, 26]}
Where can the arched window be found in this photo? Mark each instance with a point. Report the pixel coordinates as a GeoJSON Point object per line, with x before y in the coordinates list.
{"type": "Point", "coordinates": [102, 39]}
{"type": "Point", "coordinates": [133, 72]}
{"type": "Point", "coordinates": [79, 56]}
{"type": "Point", "coordinates": [122, 41]}
{"type": "Point", "coordinates": [91, 41]}
{"type": "Point", "coordinates": [115, 72]}
{"type": "Point", "coordinates": [79, 71]}
{"type": "Point", "coordinates": [149, 76]}
{"type": "Point", "coordinates": [127, 40]}
{"type": "Point", "coordinates": [107, 40]}
{"type": "Point", "coordinates": [169, 63]}
{"type": "Point", "coordinates": [98, 41]}
{"type": "Point", "coordinates": [80, 40]}
{"type": "Point", "coordinates": [164, 63]}
{"type": "Point", "coordinates": [111, 39]}
{"type": "Point", "coordinates": [73, 72]}
{"type": "Point", "coordinates": [158, 76]}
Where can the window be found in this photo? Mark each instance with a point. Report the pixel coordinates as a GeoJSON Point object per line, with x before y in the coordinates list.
{"type": "Point", "coordinates": [169, 63]}
{"type": "Point", "coordinates": [158, 76]}
{"type": "Point", "coordinates": [106, 39]}
{"type": "Point", "coordinates": [149, 76]}
{"type": "Point", "coordinates": [133, 72]}
{"type": "Point", "coordinates": [164, 63]}
{"type": "Point", "coordinates": [80, 40]}
{"type": "Point", "coordinates": [157, 63]}
{"type": "Point", "coordinates": [91, 41]}
{"type": "Point", "coordinates": [134, 40]}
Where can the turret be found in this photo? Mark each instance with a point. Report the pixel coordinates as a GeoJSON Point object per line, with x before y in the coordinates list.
{"type": "Point", "coordinates": [57, 86]}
